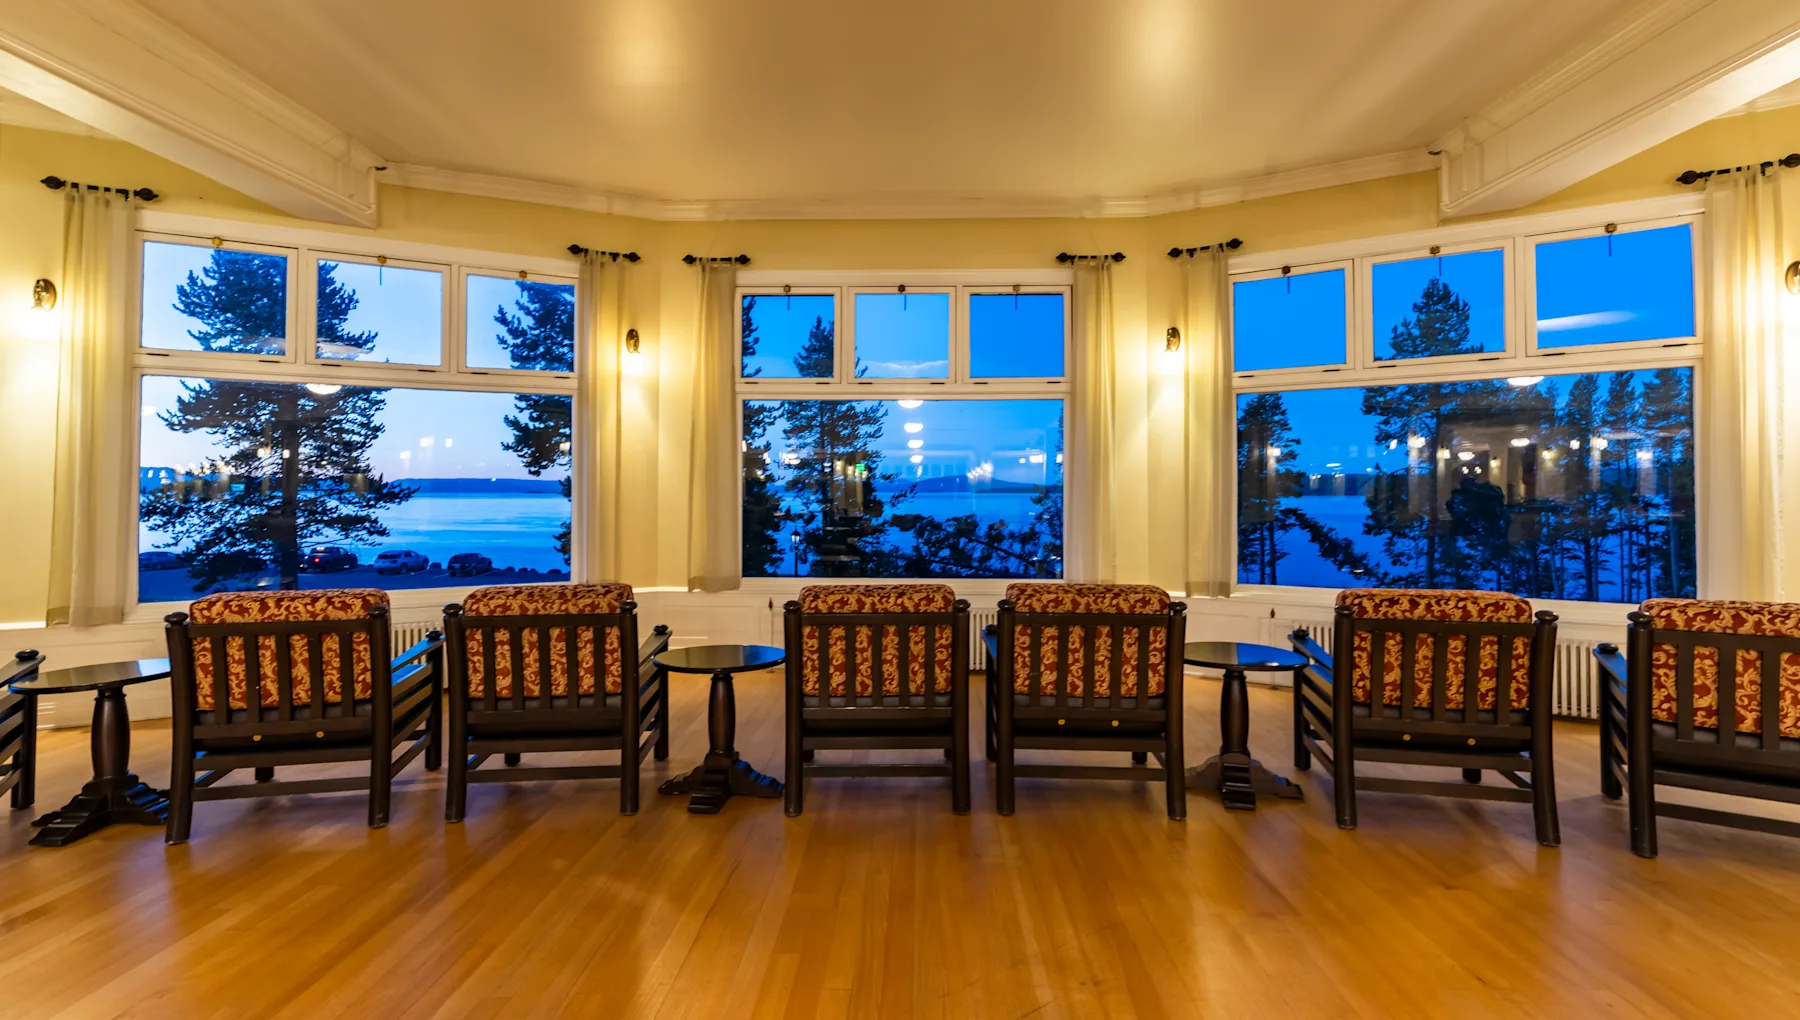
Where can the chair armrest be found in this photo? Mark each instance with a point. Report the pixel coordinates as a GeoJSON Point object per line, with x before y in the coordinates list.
{"type": "Point", "coordinates": [409, 678]}
{"type": "Point", "coordinates": [18, 665]}
{"type": "Point", "coordinates": [433, 640]}
{"type": "Point", "coordinates": [1611, 660]}
{"type": "Point", "coordinates": [653, 646]}
{"type": "Point", "coordinates": [991, 639]}
{"type": "Point", "coordinates": [1305, 645]}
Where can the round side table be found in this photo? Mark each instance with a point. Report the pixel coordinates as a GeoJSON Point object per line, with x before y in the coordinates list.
{"type": "Point", "coordinates": [114, 796]}
{"type": "Point", "coordinates": [1232, 772]}
{"type": "Point", "coordinates": [721, 775]}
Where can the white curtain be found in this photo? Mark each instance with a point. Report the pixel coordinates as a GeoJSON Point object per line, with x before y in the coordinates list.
{"type": "Point", "coordinates": [714, 556]}
{"type": "Point", "coordinates": [599, 418]}
{"type": "Point", "coordinates": [1210, 424]}
{"type": "Point", "coordinates": [1089, 525]}
{"type": "Point", "coordinates": [1749, 510]}
{"type": "Point", "coordinates": [90, 540]}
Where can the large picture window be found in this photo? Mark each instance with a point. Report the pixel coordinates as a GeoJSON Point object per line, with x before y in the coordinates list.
{"type": "Point", "coordinates": [963, 480]}
{"type": "Point", "coordinates": [376, 455]}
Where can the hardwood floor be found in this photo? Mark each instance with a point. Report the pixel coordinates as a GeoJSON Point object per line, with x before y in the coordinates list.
{"type": "Point", "coordinates": [879, 902]}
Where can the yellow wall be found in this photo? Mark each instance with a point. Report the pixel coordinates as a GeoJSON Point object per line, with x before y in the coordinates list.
{"type": "Point", "coordinates": [662, 290]}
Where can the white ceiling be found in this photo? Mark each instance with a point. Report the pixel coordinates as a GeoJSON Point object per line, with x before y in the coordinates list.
{"type": "Point", "coordinates": [1005, 100]}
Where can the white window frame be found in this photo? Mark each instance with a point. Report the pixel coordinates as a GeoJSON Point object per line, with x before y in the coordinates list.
{"type": "Point", "coordinates": [1528, 287]}
{"type": "Point", "coordinates": [459, 333]}
{"type": "Point", "coordinates": [1007, 382]}
{"type": "Point", "coordinates": [302, 248]}
{"type": "Point", "coordinates": [956, 353]}
{"type": "Point", "coordinates": [960, 285]}
{"type": "Point", "coordinates": [1351, 297]}
{"type": "Point", "coordinates": [1365, 321]}
{"type": "Point", "coordinates": [309, 297]}
{"type": "Point", "coordinates": [1521, 360]}
{"type": "Point", "coordinates": [836, 294]}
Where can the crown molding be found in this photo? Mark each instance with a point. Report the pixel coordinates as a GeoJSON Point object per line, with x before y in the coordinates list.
{"type": "Point", "coordinates": [1170, 201]}
{"type": "Point", "coordinates": [119, 68]}
{"type": "Point", "coordinates": [1667, 67]}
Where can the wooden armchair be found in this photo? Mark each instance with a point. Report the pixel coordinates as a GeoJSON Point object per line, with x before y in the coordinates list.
{"type": "Point", "coordinates": [520, 634]}
{"type": "Point", "coordinates": [18, 731]}
{"type": "Point", "coordinates": [896, 667]}
{"type": "Point", "coordinates": [326, 691]}
{"type": "Point", "coordinates": [1087, 667]}
{"type": "Point", "coordinates": [1425, 635]}
{"type": "Point", "coordinates": [1660, 711]}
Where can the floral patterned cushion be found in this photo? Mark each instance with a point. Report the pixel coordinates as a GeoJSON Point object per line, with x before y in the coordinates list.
{"type": "Point", "coordinates": [1105, 599]}
{"type": "Point", "coordinates": [1450, 606]}
{"type": "Point", "coordinates": [1774, 619]}
{"type": "Point", "coordinates": [826, 599]}
{"type": "Point", "coordinates": [545, 600]}
{"type": "Point", "coordinates": [253, 607]}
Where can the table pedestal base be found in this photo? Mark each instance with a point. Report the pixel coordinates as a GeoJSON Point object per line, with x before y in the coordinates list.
{"type": "Point", "coordinates": [1232, 772]}
{"type": "Point", "coordinates": [722, 775]}
{"type": "Point", "coordinates": [119, 801]}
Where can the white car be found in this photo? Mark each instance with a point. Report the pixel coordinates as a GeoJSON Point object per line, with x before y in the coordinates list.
{"type": "Point", "coordinates": [400, 561]}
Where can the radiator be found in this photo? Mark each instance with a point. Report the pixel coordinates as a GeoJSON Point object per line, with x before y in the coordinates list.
{"type": "Point", "coordinates": [1575, 687]}
{"type": "Point", "coordinates": [978, 623]}
{"type": "Point", "coordinates": [407, 633]}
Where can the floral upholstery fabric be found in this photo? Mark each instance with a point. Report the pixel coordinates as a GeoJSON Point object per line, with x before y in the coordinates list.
{"type": "Point", "coordinates": [1102, 599]}
{"type": "Point", "coordinates": [826, 599]}
{"type": "Point", "coordinates": [545, 600]}
{"type": "Point", "coordinates": [1448, 606]}
{"type": "Point", "coordinates": [1772, 619]}
{"type": "Point", "coordinates": [283, 607]}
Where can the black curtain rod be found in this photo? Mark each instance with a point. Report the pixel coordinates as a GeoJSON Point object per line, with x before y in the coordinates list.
{"type": "Point", "coordinates": [1065, 257]}
{"type": "Point", "coordinates": [1234, 244]}
{"type": "Point", "coordinates": [1790, 161]}
{"type": "Point", "coordinates": [629, 256]}
{"type": "Point", "coordinates": [141, 194]}
{"type": "Point", "coordinates": [742, 260]}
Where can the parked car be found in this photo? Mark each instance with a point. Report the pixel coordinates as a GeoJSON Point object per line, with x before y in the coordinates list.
{"type": "Point", "coordinates": [469, 564]}
{"type": "Point", "coordinates": [400, 561]}
{"type": "Point", "coordinates": [158, 561]}
{"type": "Point", "coordinates": [325, 559]}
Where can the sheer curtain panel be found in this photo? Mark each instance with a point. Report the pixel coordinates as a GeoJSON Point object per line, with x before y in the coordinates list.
{"type": "Point", "coordinates": [1089, 547]}
{"type": "Point", "coordinates": [1210, 424]}
{"type": "Point", "coordinates": [714, 561]}
{"type": "Point", "coordinates": [1749, 508]}
{"type": "Point", "coordinates": [91, 558]}
{"type": "Point", "coordinates": [599, 413]}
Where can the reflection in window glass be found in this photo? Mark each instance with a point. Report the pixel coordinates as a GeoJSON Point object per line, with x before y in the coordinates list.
{"type": "Point", "coordinates": [1440, 305]}
{"type": "Point", "coordinates": [522, 324]}
{"type": "Point", "coordinates": [245, 485]}
{"type": "Point", "coordinates": [903, 488]}
{"type": "Point", "coordinates": [1570, 487]}
{"type": "Point", "coordinates": [903, 336]}
{"type": "Point", "coordinates": [1016, 336]}
{"type": "Point", "coordinates": [789, 336]}
{"type": "Point", "coordinates": [380, 313]}
{"type": "Point", "coordinates": [1288, 321]}
{"type": "Point", "coordinates": [1636, 285]}
{"type": "Point", "coordinates": [214, 299]}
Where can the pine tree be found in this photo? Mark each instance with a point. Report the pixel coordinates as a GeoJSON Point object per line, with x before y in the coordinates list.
{"type": "Point", "coordinates": [762, 505]}
{"type": "Point", "coordinates": [1266, 441]}
{"type": "Point", "coordinates": [297, 468]}
{"type": "Point", "coordinates": [539, 334]}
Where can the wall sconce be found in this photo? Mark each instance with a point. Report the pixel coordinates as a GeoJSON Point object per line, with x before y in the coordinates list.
{"type": "Point", "coordinates": [43, 296]}
{"type": "Point", "coordinates": [1172, 340]}
{"type": "Point", "coordinates": [631, 341]}
{"type": "Point", "coordinates": [1793, 277]}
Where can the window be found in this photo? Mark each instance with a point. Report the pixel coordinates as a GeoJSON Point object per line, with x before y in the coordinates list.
{"type": "Point", "coordinates": [1018, 335]}
{"type": "Point", "coordinates": [956, 475]}
{"type": "Point", "coordinates": [368, 458]}
{"type": "Point", "coordinates": [1439, 305]}
{"type": "Point", "coordinates": [1615, 287]}
{"type": "Point", "coordinates": [1434, 449]}
{"type": "Point", "coordinates": [1287, 319]}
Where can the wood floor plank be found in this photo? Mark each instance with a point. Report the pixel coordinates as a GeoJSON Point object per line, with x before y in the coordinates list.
{"type": "Point", "coordinates": [879, 902]}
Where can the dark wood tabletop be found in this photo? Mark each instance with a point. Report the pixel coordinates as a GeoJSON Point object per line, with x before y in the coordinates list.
{"type": "Point", "coordinates": [1239, 655]}
{"type": "Point", "coordinates": [93, 678]}
{"type": "Point", "coordinates": [720, 658]}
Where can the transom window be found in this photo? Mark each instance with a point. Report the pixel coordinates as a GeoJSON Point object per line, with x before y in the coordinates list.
{"type": "Point", "coordinates": [920, 434]}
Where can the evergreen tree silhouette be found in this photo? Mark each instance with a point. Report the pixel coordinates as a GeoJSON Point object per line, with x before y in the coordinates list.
{"type": "Point", "coordinates": [762, 504]}
{"type": "Point", "coordinates": [297, 469]}
{"type": "Point", "coordinates": [538, 333]}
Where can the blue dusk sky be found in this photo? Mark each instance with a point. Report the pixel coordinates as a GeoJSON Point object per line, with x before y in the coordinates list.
{"type": "Point", "coordinates": [1000, 440]}
{"type": "Point", "coordinates": [908, 336]}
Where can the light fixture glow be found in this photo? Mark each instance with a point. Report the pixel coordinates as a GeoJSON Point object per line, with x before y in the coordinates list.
{"type": "Point", "coordinates": [1274, 451]}
{"type": "Point", "coordinates": [1524, 380]}
{"type": "Point", "coordinates": [322, 389]}
{"type": "Point", "coordinates": [917, 458]}
{"type": "Point", "coordinates": [1521, 441]}
{"type": "Point", "coordinates": [1574, 444]}
{"type": "Point", "coordinates": [913, 426]}
{"type": "Point", "coordinates": [915, 444]}
{"type": "Point", "coordinates": [427, 442]}
{"type": "Point", "coordinates": [1172, 341]}
{"type": "Point", "coordinates": [910, 404]}
{"type": "Point", "coordinates": [1415, 441]}
{"type": "Point", "coordinates": [1793, 277]}
{"type": "Point", "coordinates": [1600, 443]}
{"type": "Point", "coordinates": [631, 341]}
{"type": "Point", "coordinates": [1645, 455]}
{"type": "Point", "coordinates": [43, 296]}
{"type": "Point", "coordinates": [1465, 456]}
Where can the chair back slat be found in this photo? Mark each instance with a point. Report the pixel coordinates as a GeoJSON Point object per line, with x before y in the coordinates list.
{"type": "Point", "coordinates": [1440, 674]}
{"type": "Point", "coordinates": [1684, 689]}
{"type": "Point", "coordinates": [571, 649]}
{"type": "Point", "coordinates": [1771, 702]}
{"type": "Point", "coordinates": [1719, 669]}
{"type": "Point", "coordinates": [1725, 697]}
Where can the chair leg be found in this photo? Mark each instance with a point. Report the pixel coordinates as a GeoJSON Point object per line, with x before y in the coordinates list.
{"type": "Point", "coordinates": [24, 792]}
{"type": "Point", "coordinates": [381, 782]}
{"type": "Point", "coordinates": [1140, 757]}
{"type": "Point", "coordinates": [1641, 775]}
{"type": "Point", "coordinates": [1471, 775]}
{"type": "Point", "coordinates": [456, 783]}
{"type": "Point", "coordinates": [1003, 768]}
{"type": "Point", "coordinates": [513, 759]}
{"type": "Point", "coordinates": [628, 773]}
{"type": "Point", "coordinates": [1610, 787]}
{"type": "Point", "coordinates": [959, 771]}
{"type": "Point", "coordinates": [434, 731]}
{"type": "Point", "coordinates": [1302, 753]}
{"type": "Point", "coordinates": [661, 753]}
{"type": "Point", "coordinates": [793, 795]}
{"type": "Point", "coordinates": [1543, 804]}
{"type": "Point", "coordinates": [1344, 782]}
{"type": "Point", "coordinates": [1175, 782]}
{"type": "Point", "coordinates": [181, 800]}
{"type": "Point", "coordinates": [265, 773]}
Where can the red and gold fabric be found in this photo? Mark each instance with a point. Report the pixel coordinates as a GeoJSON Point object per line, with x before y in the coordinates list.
{"type": "Point", "coordinates": [253, 607]}
{"type": "Point", "coordinates": [1440, 606]}
{"type": "Point", "coordinates": [1094, 599]}
{"type": "Point", "coordinates": [546, 600]}
{"type": "Point", "coordinates": [1764, 619]}
{"type": "Point", "coordinates": [869, 599]}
